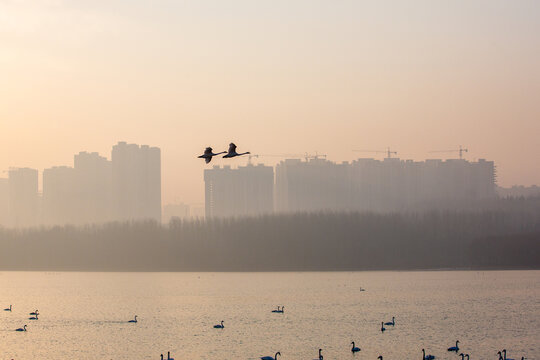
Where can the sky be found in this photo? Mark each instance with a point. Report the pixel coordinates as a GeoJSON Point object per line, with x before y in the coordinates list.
{"type": "Point", "coordinates": [275, 77]}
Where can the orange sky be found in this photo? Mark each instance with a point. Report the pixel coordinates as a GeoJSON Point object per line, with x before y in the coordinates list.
{"type": "Point", "coordinates": [273, 76]}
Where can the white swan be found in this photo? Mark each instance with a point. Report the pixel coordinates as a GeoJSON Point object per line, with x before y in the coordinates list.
{"type": "Point", "coordinates": [427, 357]}
{"type": "Point", "coordinates": [504, 353]}
{"type": "Point", "coordinates": [219, 326]}
{"type": "Point", "coordinates": [134, 320]}
{"type": "Point", "coordinates": [454, 348]}
{"type": "Point", "coordinates": [391, 323]}
{"type": "Point", "coordinates": [208, 154]}
{"type": "Point", "coordinates": [354, 348]}
{"type": "Point", "coordinates": [21, 329]}
{"type": "Point", "coordinates": [232, 152]}
{"type": "Point", "coordinates": [271, 358]}
{"type": "Point", "coordinates": [8, 309]}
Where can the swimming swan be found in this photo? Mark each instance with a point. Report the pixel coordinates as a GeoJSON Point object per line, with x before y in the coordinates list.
{"type": "Point", "coordinates": [271, 358]}
{"type": "Point", "coordinates": [220, 326]}
{"type": "Point", "coordinates": [8, 309]}
{"type": "Point", "coordinates": [382, 327]}
{"type": "Point", "coordinates": [21, 329]}
{"type": "Point", "coordinates": [134, 320]}
{"type": "Point", "coordinates": [354, 348]}
{"type": "Point", "coordinates": [427, 357]}
{"type": "Point", "coordinates": [391, 323]}
{"type": "Point", "coordinates": [276, 311]}
{"type": "Point", "coordinates": [35, 317]}
{"type": "Point", "coordinates": [320, 355]}
{"type": "Point", "coordinates": [454, 348]}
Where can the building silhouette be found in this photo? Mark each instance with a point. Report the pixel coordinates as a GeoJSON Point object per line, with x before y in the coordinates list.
{"type": "Point", "coordinates": [4, 202]}
{"type": "Point", "coordinates": [60, 202]}
{"type": "Point", "coordinates": [245, 191]}
{"type": "Point", "coordinates": [93, 177]}
{"type": "Point", "coordinates": [136, 182]}
{"type": "Point", "coordinates": [383, 186]}
{"type": "Point", "coordinates": [23, 197]}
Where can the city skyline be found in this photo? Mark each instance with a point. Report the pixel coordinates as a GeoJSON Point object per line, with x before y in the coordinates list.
{"type": "Point", "coordinates": [273, 78]}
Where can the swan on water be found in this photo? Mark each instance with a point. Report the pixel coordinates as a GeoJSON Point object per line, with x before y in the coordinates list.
{"type": "Point", "coordinates": [221, 326]}
{"type": "Point", "coordinates": [354, 348]}
{"type": "Point", "coordinates": [8, 309]}
{"type": "Point", "coordinates": [169, 356]}
{"type": "Point", "coordinates": [271, 358]}
{"type": "Point", "coordinates": [282, 310]}
{"type": "Point", "coordinates": [276, 311]}
{"type": "Point", "coordinates": [380, 357]}
{"type": "Point", "coordinates": [208, 154]}
{"type": "Point", "coordinates": [392, 323]}
{"type": "Point", "coordinates": [35, 317]}
{"type": "Point", "coordinates": [36, 312]}
{"type": "Point", "coordinates": [134, 320]}
{"type": "Point", "coordinates": [320, 355]}
{"type": "Point", "coordinates": [21, 329]}
{"type": "Point", "coordinates": [427, 357]}
{"type": "Point", "coordinates": [232, 152]}
{"type": "Point", "coordinates": [504, 357]}
{"type": "Point", "coordinates": [382, 327]}
{"type": "Point", "coordinates": [454, 348]}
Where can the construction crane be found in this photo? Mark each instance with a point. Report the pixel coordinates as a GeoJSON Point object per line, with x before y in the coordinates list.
{"type": "Point", "coordinates": [460, 150]}
{"type": "Point", "coordinates": [387, 152]}
{"type": "Point", "coordinates": [305, 156]}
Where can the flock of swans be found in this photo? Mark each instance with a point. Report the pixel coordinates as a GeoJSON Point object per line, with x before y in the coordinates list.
{"type": "Point", "coordinates": [209, 154]}
{"type": "Point", "coordinates": [354, 349]}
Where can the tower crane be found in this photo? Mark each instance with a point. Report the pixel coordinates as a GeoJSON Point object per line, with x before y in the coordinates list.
{"type": "Point", "coordinates": [387, 152]}
{"type": "Point", "coordinates": [305, 156]}
{"type": "Point", "coordinates": [460, 150]}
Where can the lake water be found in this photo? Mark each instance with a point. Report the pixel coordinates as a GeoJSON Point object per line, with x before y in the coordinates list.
{"type": "Point", "coordinates": [84, 315]}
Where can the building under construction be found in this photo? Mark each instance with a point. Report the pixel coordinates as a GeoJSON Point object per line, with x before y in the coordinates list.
{"type": "Point", "coordinates": [317, 184]}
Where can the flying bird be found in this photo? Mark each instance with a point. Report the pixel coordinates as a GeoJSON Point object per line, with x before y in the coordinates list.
{"type": "Point", "coordinates": [208, 154]}
{"type": "Point", "coordinates": [232, 152]}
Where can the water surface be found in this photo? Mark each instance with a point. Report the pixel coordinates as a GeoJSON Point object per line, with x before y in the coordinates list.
{"type": "Point", "coordinates": [84, 315]}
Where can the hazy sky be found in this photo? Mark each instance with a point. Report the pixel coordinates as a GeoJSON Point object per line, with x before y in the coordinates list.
{"type": "Point", "coordinates": [273, 76]}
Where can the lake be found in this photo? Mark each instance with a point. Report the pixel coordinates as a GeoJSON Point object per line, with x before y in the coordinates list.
{"type": "Point", "coordinates": [84, 315]}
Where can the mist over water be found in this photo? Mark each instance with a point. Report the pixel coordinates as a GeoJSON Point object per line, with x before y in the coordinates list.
{"type": "Point", "coordinates": [84, 315]}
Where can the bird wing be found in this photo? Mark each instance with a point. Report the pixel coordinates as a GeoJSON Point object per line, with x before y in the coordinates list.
{"type": "Point", "coordinates": [208, 159]}
{"type": "Point", "coordinates": [232, 147]}
{"type": "Point", "coordinates": [208, 151]}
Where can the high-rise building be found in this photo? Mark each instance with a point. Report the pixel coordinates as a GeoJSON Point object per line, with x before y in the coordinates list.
{"type": "Point", "coordinates": [314, 185]}
{"type": "Point", "coordinates": [4, 202]}
{"type": "Point", "coordinates": [388, 185]}
{"type": "Point", "coordinates": [23, 197]}
{"type": "Point", "coordinates": [60, 204]}
{"type": "Point", "coordinates": [93, 177]}
{"type": "Point", "coordinates": [245, 191]}
{"type": "Point", "coordinates": [136, 179]}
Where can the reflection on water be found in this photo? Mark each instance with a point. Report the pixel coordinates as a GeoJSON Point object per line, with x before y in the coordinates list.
{"type": "Point", "coordinates": [85, 315]}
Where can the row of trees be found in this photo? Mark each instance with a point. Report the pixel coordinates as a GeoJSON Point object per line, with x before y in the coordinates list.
{"type": "Point", "coordinates": [311, 241]}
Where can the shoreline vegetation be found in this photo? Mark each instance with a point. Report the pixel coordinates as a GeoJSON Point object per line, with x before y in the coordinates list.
{"type": "Point", "coordinates": [436, 240]}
